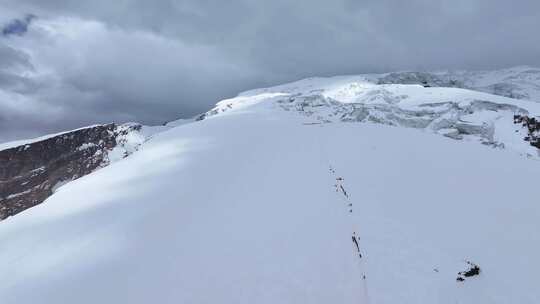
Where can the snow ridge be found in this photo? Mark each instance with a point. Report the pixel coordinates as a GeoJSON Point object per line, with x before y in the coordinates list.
{"type": "Point", "coordinates": [452, 112]}
{"type": "Point", "coordinates": [243, 208]}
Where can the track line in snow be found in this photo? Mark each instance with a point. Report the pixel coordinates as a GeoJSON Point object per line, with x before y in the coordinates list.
{"type": "Point", "coordinates": [345, 199]}
{"type": "Point", "coordinates": [345, 196]}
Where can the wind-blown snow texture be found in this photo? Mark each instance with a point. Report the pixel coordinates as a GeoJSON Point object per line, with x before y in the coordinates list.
{"type": "Point", "coordinates": [257, 203]}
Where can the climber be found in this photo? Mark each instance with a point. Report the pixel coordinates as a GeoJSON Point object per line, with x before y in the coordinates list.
{"type": "Point", "coordinates": [343, 190]}
{"type": "Point", "coordinates": [356, 243]}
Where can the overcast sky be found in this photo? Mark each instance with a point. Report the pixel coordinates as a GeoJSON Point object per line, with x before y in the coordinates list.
{"type": "Point", "coordinates": [70, 63]}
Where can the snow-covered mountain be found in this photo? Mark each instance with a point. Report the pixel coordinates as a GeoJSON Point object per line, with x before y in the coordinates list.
{"type": "Point", "coordinates": [496, 121]}
{"type": "Point", "coordinates": [521, 82]}
{"type": "Point", "coordinates": [326, 190]}
{"type": "Point", "coordinates": [31, 170]}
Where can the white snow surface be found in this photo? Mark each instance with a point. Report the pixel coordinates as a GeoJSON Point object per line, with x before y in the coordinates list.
{"type": "Point", "coordinates": [242, 207]}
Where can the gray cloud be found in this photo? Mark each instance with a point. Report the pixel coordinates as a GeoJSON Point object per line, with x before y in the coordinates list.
{"type": "Point", "coordinates": [18, 26]}
{"type": "Point", "coordinates": [151, 61]}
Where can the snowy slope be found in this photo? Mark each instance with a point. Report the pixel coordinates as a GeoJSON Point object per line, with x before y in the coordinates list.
{"type": "Point", "coordinates": [522, 82]}
{"type": "Point", "coordinates": [258, 203]}
{"type": "Point", "coordinates": [456, 113]}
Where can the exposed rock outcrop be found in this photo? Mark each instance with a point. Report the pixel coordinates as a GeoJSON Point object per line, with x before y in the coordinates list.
{"type": "Point", "coordinates": [533, 128]}
{"type": "Point", "coordinates": [472, 270]}
{"type": "Point", "coordinates": [29, 173]}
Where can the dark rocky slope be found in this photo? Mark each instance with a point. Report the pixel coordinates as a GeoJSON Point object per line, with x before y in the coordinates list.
{"type": "Point", "coordinates": [29, 173]}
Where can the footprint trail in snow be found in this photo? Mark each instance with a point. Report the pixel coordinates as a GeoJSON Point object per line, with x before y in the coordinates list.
{"type": "Point", "coordinates": [340, 189]}
{"type": "Point", "coordinates": [346, 199]}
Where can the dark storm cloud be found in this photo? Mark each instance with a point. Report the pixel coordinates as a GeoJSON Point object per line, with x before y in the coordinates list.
{"type": "Point", "coordinates": [18, 26]}
{"type": "Point", "coordinates": [155, 60]}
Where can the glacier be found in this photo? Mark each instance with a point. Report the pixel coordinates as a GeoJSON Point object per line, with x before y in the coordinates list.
{"type": "Point", "coordinates": [257, 202]}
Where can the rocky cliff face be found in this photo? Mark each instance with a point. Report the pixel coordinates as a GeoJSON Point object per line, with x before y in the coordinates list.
{"type": "Point", "coordinates": [30, 173]}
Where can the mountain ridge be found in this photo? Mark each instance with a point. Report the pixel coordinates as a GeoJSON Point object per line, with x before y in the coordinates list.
{"type": "Point", "coordinates": [327, 190]}
{"type": "Point", "coordinates": [422, 103]}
